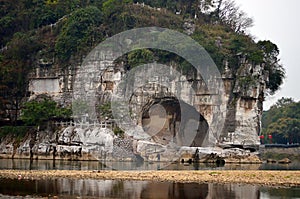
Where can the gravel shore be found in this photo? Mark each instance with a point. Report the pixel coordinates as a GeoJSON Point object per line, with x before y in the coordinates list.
{"type": "Point", "coordinates": [267, 178]}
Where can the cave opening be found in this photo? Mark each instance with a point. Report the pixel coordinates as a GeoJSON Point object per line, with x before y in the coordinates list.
{"type": "Point", "coordinates": [168, 120]}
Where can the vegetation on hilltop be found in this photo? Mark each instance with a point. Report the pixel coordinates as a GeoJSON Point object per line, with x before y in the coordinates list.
{"type": "Point", "coordinates": [63, 32]}
{"type": "Point", "coordinates": [78, 33]}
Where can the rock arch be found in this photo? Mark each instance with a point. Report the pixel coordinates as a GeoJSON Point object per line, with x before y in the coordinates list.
{"type": "Point", "coordinates": [161, 119]}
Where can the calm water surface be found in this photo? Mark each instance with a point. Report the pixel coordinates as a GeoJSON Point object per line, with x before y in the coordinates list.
{"type": "Point", "coordinates": [95, 165]}
{"type": "Point", "coordinates": [87, 188]}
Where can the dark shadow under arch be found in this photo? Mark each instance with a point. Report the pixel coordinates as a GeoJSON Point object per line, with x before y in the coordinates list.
{"type": "Point", "coordinates": [190, 130]}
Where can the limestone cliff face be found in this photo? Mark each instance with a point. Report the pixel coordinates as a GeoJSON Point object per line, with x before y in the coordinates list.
{"type": "Point", "coordinates": [241, 101]}
{"type": "Point", "coordinates": [167, 111]}
{"type": "Point", "coordinates": [186, 99]}
{"type": "Point", "coordinates": [245, 94]}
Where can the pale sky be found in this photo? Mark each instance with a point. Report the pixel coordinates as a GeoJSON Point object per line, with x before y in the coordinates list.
{"type": "Point", "coordinates": [278, 21]}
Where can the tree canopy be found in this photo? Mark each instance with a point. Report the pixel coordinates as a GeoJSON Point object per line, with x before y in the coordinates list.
{"type": "Point", "coordinates": [36, 113]}
{"type": "Point", "coordinates": [282, 122]}
{"type": "Point", "coordinates": [15, 65]}
{"type": "Point", "coordinates": [78, 32]}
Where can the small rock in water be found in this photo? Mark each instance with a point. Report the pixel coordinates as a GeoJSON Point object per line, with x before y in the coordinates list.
{"type": "Point", "coordinates": [284, 161]}
{"type": "Point", "coordinates": [271, 161]}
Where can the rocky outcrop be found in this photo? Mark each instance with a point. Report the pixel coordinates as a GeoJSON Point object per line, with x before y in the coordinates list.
{"type": "Point", "coordinates": [157, 106]}
{"type": "Point", "coordinates": [94, 143]}
{"type": "Point", "coordinates": [240, 104]}
{"type": "Point", "coordinates": [167, 109]}
{"type": "Point", "coordinates": [71, 143]}
{"type": "Point", "coordinates": [284, 161]}
{"type": "Point", "coordinates": [241, 109]}
{"type": "Point", "coordinates": [244, 107]}
{"type": "Point", "coordinates": [218, 156]}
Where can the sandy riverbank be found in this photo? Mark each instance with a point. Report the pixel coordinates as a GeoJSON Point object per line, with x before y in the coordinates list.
{"type": "Point", "coordinates": [267, 178]}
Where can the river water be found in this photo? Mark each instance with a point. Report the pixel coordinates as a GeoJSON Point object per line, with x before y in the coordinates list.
{"type": "Point", "coordinates": [25, 164]}
{"type": "Point", "coordinates": [88, 188]}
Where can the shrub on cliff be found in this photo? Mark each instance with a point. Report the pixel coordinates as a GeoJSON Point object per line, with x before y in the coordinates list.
{"type": "Point", "coordinates": [36, 113]}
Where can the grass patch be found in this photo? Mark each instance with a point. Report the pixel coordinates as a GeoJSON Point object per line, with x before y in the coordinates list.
{"type": "Point", "coordinates": [214, 173]}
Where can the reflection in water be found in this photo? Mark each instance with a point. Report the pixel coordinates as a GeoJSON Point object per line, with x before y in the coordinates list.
{"type": "Point", "coordinates": [87, 188]}
{"type": "Point", "coordinates": [294, 165]}
{"type": "Point", "coordinates": [25, 164]}
{"type": "Point", "coordinates": [279, 193]}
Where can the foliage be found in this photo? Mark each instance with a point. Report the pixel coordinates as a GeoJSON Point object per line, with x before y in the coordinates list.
{"type": "Point", "coordinates": [187, 8]}
{"type": "Point", "coordinates": [283, 102]}
{"type": "Point", "coordinates": [225, 45]}
{"type": "Point", "coordinates": [38, 112]}
{"type": "Point", "coordinates": [105, 111]}
{"type": "Point", "coordinates": [285, 130]}
{"type": "Point", "coordinates": [110, 7]}
{"type": "Point", "coordinates": [118, 132]}
{"type": "Point", "coordinates": [51, 2]}
{"type": "Point", "coordinates": [24, 15]}
{"type": "Point", "coordinates": [78, 32]}
{"type": "Point", "coordinates": [139, 57]}
{"type": "Point", "coordinates": [147, 56]}
{"type": "Point", "coordinates": [224, 12]}
{"type": "Point", "coordinates": [276, 71]}
{"type": "Point", "coordinates": [247, 81]}
{"type": "Point", "coordinates": [15, 64]}
{"type": "Point", "coordinates": [282, 121]}
{"type": "Point", "coordinates": [18, 131]}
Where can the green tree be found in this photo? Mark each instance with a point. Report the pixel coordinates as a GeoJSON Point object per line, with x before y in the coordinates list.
{"type": "Point", "coordinates": [15, 66]}
{"type": "Point", "coordinates": [282, 121]}
{"type": "Point", "coordinates": [285, 130]}
{"type": "Point", "coordinates": [276, 72]}
{"type": "Point", "coordinates": [35, 113]}
{"type": "Point", "coordinates": [284, 102]}
{"type": "Point", "coordinates": [110, 7]}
